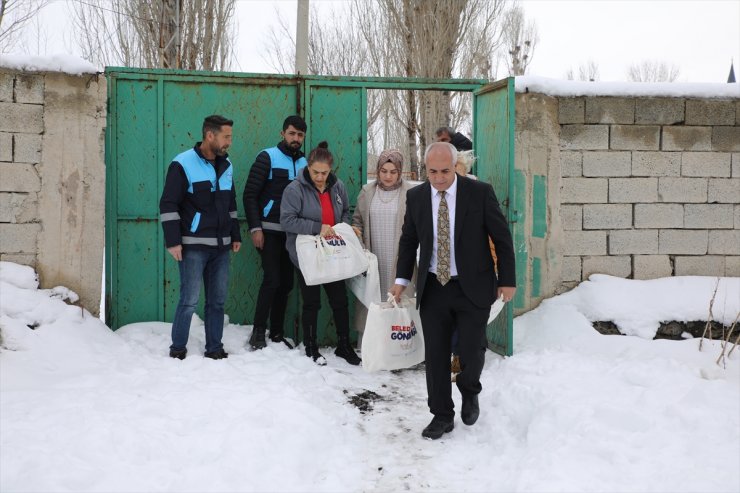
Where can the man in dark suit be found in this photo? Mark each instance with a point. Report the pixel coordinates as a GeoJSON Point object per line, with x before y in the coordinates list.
{"type": "Point", "coordinates": [451, 217]}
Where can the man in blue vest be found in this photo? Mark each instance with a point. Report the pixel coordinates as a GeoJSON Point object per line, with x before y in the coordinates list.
{"type": "Point", "coordinates": [271, 172]}
{"type": "Point", "coordinates": [198, 215]}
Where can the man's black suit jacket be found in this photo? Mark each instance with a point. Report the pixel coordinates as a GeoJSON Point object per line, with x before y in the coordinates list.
{"type": "Point", "coordinates": [477, 217]}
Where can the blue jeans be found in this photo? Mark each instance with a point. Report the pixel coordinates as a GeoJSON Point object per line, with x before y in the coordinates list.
{"type": "Point", "coordinates": [212, 268]}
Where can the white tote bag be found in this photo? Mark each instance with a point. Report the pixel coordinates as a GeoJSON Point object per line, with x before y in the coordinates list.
{"type": "Point", "coordinates": [393, 337]}
{"type": "Point", "coordinates": [366, 286]}
{"type": "Point", "coordinates": [330, 258]}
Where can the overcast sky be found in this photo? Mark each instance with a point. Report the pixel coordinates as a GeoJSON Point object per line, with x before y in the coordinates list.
{"type": "Point", "coordinates": [699, 36]}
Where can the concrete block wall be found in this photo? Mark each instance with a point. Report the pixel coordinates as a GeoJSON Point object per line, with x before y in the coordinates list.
{"type": "Point", "coordinates": [649, 187]}
{"type": "Point", "coordinates": [21, 129]}
{"type": "Point", "coordinates": [52, 177]}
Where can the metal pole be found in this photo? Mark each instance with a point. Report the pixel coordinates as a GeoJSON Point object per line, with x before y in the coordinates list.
{"type": "Point", "coordinates": [177, 34]}
{"type": "Point", "coordinates": [301, 38]}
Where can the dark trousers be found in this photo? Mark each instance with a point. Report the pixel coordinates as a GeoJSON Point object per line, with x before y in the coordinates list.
{"type": "Point", "coordinates": [337, 294]}
{"type": "Point", "coordinates": [444, 309]}
{"type": "Point", "coordinates": [277, 281]}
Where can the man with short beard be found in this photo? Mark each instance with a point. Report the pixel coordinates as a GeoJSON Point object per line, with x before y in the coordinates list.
{"type": "Point", "coordinates": [273, 170]}
{"type": "Point", "coordinates": [198, 215]}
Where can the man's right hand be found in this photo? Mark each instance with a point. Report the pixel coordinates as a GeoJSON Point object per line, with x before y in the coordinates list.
{"type": "Point", "coordinates": [176, 252]}
{"type": "Point", "coordinates": [396, 291]}
{"type": "Point", "coordinates": [258, 239]}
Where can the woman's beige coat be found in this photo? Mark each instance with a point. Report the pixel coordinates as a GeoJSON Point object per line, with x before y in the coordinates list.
{"type": "Point", "coordinates": [361, 220]}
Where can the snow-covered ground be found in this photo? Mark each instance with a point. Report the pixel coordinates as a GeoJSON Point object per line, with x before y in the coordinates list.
{"type": "Point", "coordinates": [86, 409]}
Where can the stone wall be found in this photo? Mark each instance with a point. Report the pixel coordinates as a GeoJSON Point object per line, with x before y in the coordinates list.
{"type": "Point", "coordinates": [650, 187]}
{"type": "Point", "coordinates": [52, 177]}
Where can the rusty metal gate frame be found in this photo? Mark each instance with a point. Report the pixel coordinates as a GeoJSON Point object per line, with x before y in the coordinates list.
{"type": "Point", "coordinates": [304, 88]}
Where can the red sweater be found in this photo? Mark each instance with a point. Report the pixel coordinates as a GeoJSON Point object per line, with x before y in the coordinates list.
{"type": "Point", "coordinates": [327, 211]}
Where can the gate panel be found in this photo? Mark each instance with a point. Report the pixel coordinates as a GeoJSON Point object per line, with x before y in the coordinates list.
{"type": "Point", "coordinates": [132, 205]}
{"type": "Point", "coordinates": [156, 115]}
{"type": "Point", "coordinates": [493, 126]}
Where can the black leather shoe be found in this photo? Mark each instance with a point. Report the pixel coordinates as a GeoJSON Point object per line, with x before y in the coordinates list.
{"type": "Point", "coordinates": [278, 337]}
{"type": "Point", "coordinates": [437, 428]}
{"type": "Point", "coordinates": [345, 351]}
{"type": "Point", "coordinates": [218, 354]}
{"type": "Point", "coordinates": [178, 353]}
{"type": "Point", "coordinates": [470, 410]}
{"type": "Point", "coordinates": [313, 353]}
{"type": "Point", "coordinates": [257, 339]}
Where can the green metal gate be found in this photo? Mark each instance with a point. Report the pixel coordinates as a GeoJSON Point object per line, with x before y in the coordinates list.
{"type": "Point", "coordinates": [155, 114]}
{"type": "Point", "coordinates": [493, 127]}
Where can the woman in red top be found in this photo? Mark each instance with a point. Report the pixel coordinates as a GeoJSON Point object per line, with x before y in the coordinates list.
{"type": "Point", "coordinates": [314, 202]}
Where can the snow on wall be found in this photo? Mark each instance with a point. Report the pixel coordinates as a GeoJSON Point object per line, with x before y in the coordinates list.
{"type": "Point", "coordinates": [571, 88]}
{"type": "Point", "coordinates": [61, 62]}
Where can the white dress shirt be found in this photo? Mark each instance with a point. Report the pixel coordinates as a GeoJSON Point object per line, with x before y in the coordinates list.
{"type": "Point", "coordinates": [450, 196]}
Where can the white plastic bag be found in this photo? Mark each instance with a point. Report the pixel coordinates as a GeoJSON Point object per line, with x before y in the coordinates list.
{"type": "Point", "coordinates": [496, 308]}
{"type": "Point", "coordinates": [393, 337]}
{"type": "Point", "coordinates": [330, 258]}
{"type": "Point", "coordinates": [366, 286]}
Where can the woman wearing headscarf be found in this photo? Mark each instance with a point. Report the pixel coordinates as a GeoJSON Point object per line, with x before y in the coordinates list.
{"type": "Point", "coordinates": [378, 219]}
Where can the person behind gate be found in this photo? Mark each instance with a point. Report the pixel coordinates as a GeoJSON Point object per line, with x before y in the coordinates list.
{"type": "Point", "coordinates": [198, 214]}
{"type": "Point", "coordinates": [312, 205]}
{"type": "Point", "coordinates": [448, 134]}
{"type": "Point", "coordinates": [273, 170]}
{"type": "Point", "coordinates": [450, 218]}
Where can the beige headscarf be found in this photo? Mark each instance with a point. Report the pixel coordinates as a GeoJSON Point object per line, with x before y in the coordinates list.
{"type": "Point", "coordinates": [390, 156]}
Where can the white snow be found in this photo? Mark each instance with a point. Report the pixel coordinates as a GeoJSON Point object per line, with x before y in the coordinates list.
{"type": "Point", "coordinates": [572, 88]}
{"type": "Point", "coordinates": [60, 62]}
{"type": "Point", "coordinates": [83, 408]}
{"type": "Point", "coordinates": [71, 64]}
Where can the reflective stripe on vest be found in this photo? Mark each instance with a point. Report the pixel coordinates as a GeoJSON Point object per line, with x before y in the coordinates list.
{"type": "Point", "coordinates": [194, 240]}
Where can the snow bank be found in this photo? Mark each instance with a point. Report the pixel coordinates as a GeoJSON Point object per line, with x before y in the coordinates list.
{"type": "Point", "coordinates": [85, 409]}
{"type": "Point", "coordinates": [638, 307]}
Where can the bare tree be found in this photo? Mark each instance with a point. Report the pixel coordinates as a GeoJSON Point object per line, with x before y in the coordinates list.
{"type": "Point", "coordinates": [133, 33]}
{"type": "Point", "coordinates": [425, 38]}
{"type": "Point", "coordinates": [335, 46]}
{"type": "Point", "coordinates": [14, 14]}
{"type": "Point", "coordinates": [520, 39]}
{"type": "Point", "coordinates": [588, 71]}
{"type": "Point", "coordinates": [402, 38]}
{"type": "Point", "coordinates": [36, 40]}
{"type": "Point", "coordinates": [653, 71]}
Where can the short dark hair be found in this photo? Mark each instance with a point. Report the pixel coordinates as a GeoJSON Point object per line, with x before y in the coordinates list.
{"type": "Point", "coordinates": [214, 123]}
{"type": "Point", "coordinates": [448, 130]}
{"type": "Point", "coordinates": [298, 123]}
{"type": "Point", "coordinates": [321, 153]}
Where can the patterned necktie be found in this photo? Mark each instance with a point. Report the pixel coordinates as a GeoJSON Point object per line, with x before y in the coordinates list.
{"type": "Point", "coordinates": [443, 241]}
